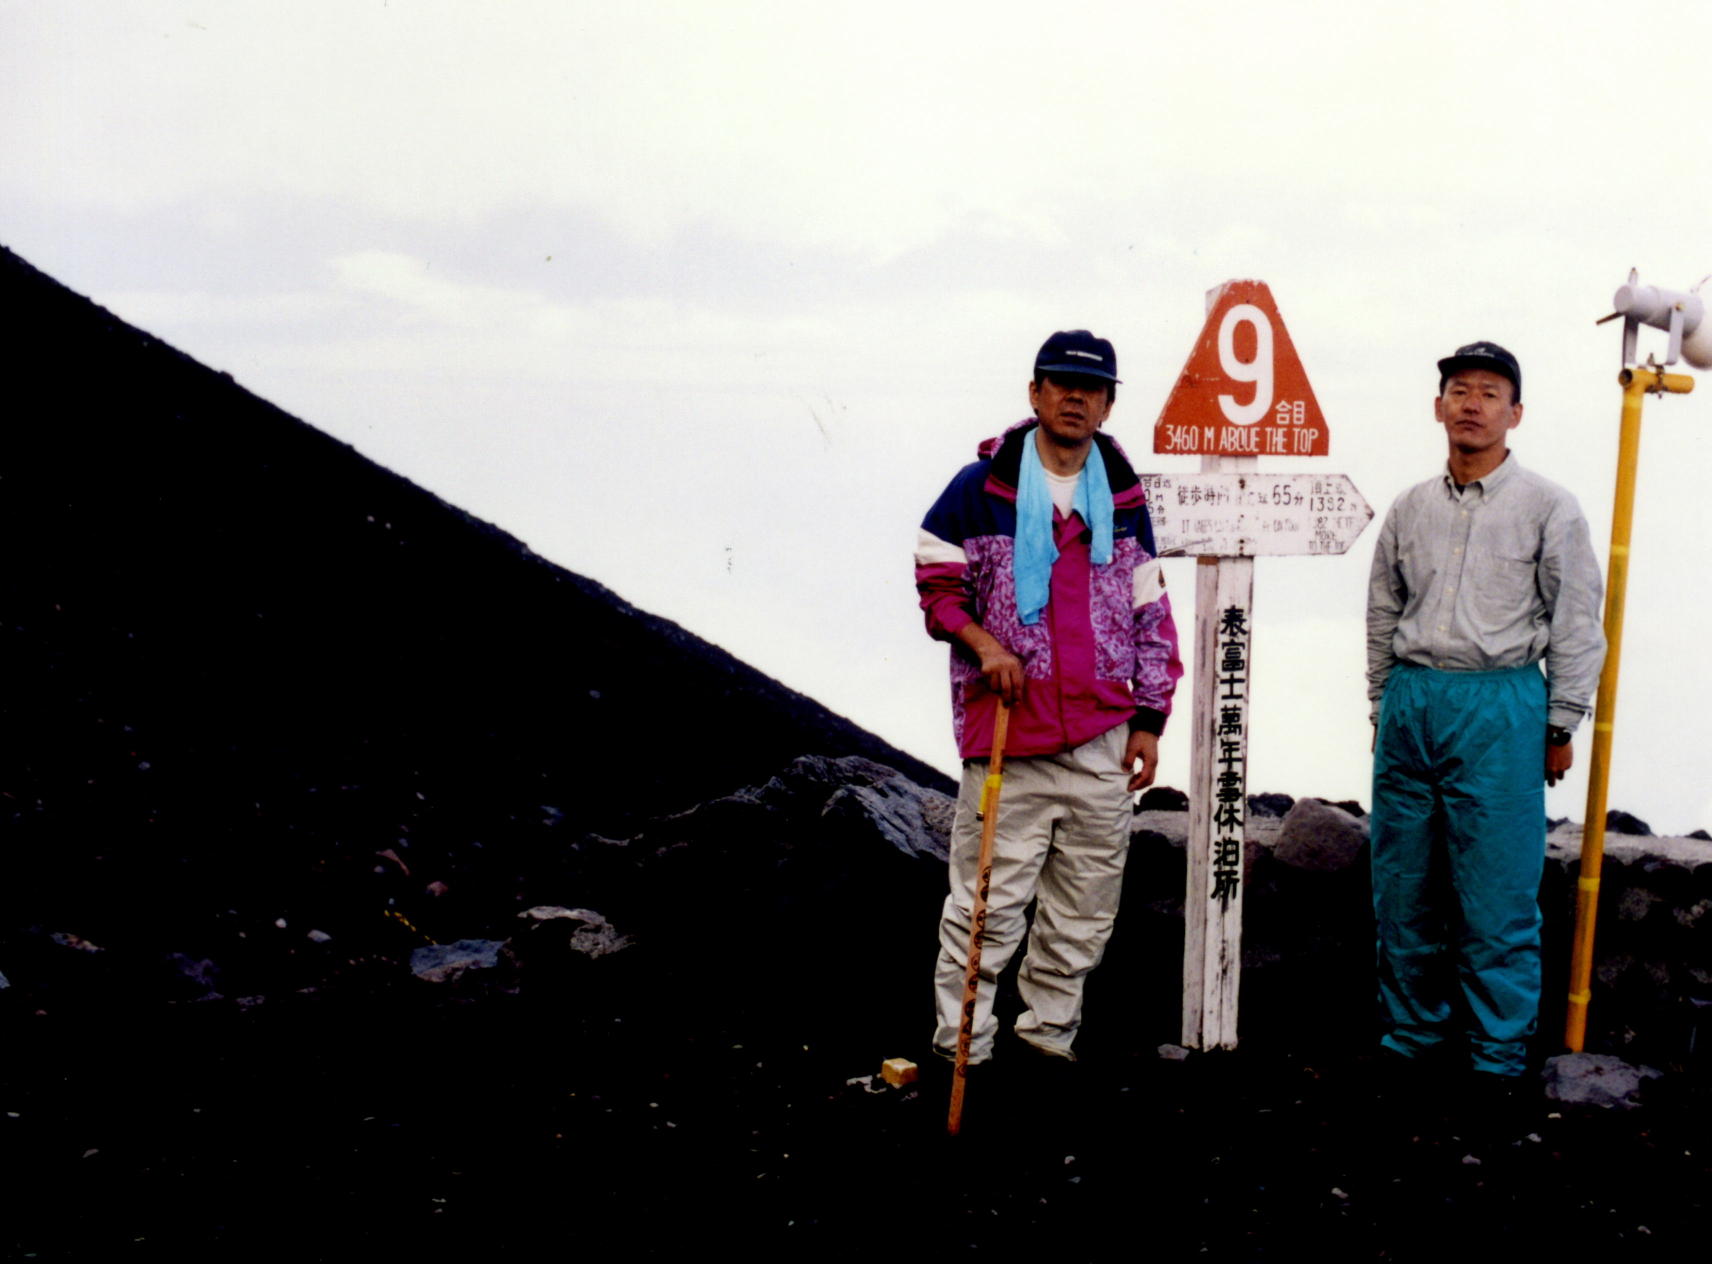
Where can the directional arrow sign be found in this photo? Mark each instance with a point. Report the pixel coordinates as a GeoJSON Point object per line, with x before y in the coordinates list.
{"type": "Point", "coordinates": [1251, 514]}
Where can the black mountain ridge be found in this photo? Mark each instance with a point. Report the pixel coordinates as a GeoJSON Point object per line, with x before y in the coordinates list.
{"type": "Point", "coordinates": [237, 646]}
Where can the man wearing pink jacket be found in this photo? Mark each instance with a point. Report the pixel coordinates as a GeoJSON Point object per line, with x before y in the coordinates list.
{"type": "Point", "coordinates": [1037, 565]}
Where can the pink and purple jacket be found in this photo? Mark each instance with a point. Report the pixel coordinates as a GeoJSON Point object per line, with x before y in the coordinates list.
{"type": "Point", "coordinates": [1103, 652]}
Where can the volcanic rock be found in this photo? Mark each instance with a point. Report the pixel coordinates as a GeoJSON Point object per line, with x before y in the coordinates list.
{"type": "Point", "coordinates": [1596, 1079]}
{"type": "Point", "coordinates": [1320, 837]}
{"type": "Point", "coordinates": [1162, 799]}
{"type": "Point", "coordinates": [1270, 804]}
{"type": "Point", "coordinates": [1618, 822]}
{"type": "Point", "coordinates": [584, 931]}
{"type": "Point", "coordinates": [443, 963]}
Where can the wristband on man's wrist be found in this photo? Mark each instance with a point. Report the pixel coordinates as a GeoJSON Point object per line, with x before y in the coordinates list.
{"type": "Point", "coordinates": [1556, 736]}
{"type": "Point", "coordinates": [1147, 720]}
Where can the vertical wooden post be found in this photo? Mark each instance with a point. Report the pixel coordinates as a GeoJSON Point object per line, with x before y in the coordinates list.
{"type": "Point", "coordinates": [1218, 796]}
{"type": "Point", "coordinates": [1242, 391]}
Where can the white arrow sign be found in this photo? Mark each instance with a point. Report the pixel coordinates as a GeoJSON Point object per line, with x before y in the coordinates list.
{"type": "Point", "coordinates": [1250, 514]}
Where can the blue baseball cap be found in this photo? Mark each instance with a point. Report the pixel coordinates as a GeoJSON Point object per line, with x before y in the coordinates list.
{"type": "Point", "coordinates": [1482, 355]}
{"type": "Point", "coordinates": [1078, 351]}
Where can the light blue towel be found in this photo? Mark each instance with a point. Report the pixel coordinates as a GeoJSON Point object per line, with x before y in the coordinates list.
{"type": "Point", "coordinates": [1035, 552]}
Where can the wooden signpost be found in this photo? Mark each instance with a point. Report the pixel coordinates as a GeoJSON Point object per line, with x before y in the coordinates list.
{"type": "Point", "coordinates": [1242, 394]}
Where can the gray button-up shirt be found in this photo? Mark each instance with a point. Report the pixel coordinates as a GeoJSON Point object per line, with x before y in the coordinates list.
{"type": "Point", "coordinates": [1498, 574]}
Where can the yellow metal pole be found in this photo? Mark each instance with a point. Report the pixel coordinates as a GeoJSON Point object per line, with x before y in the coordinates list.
{"type": "Point", "coordinates": [1636, 383]}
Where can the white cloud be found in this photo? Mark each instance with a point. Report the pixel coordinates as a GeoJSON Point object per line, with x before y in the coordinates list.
{"type": "Point", "coordinates": [792, 260]}
{"type": "Point", "coordinates": [201, 310]}
{"type": "Point", "coordinates": [871, 125]}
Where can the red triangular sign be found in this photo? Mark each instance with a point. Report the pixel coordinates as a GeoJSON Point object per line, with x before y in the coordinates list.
{"type": "Point", "coordinates": [1243, 391]}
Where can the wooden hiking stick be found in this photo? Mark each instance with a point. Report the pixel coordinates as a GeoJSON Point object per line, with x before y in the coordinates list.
{"type": "Point", "coordinates": [988, 814]}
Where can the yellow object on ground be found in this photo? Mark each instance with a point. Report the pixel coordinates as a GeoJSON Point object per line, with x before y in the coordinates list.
{"type": "Point", "coordinates": [899, 1071]}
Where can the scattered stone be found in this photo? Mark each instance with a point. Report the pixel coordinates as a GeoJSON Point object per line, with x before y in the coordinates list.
{"type": "Point", "coordinates": [202, 974]}
{"type": "Point", "coordinates": [1270, 804]}
{"type": "Point", "coordinates": [1619, 822]}
{"type": "Point", "coordinates": [1173, 1053]}
{"type": "Point", "coordinates": [319, 937]}
{"type": "Point", "coordinates": [1691, 916]}
{"type": "Point", "coordinates": [1319, 837]}
{"type": "Point", "coordinates": [1702, 835]}
{"type": "Point", "coordinates": [1596, 1079]}
{"type": "Point", "coordinates": [68, 940]}
{"type": "Point", "coordinates": [437, 889]}
{"type": "Point", "coordinates": [1163, 799]}
{"type": "Point", "coordinates": [388, 853]}
{"type": "Point", "coordinates": [4, 983]}
{"type": "Point", "coordinates": [593, 935]}
{"type": "Point", "coordinates": [442, 963]}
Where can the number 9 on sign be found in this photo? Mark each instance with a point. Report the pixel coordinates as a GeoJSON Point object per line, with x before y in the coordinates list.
{"type": "Point", "coordinates": [1258, 370]}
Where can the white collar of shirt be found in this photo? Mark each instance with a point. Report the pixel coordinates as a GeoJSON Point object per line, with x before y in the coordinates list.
{"type": "Point", "coordinates": [1488, 482]}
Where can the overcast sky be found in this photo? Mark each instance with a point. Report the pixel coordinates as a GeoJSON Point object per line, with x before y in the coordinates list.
{"type": "Point", "coordinates": [707, 302]}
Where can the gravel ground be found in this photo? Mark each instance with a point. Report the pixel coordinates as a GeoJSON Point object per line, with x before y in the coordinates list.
{"type": "Point", "coordinates": [429, 1124]}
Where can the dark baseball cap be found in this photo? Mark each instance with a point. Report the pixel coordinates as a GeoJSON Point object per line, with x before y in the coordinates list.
{"type": "Point", "coordinates": [1482, 355]}
{"type": "Point", "coordinates": [1078, 351]}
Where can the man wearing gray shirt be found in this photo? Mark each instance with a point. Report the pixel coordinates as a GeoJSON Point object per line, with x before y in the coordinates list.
{"type": "Point", "coordinates": [1480, 575]}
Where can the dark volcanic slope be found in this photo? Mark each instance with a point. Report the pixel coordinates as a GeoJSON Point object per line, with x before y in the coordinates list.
{"type": "Point", "coordinates": [229, 637]}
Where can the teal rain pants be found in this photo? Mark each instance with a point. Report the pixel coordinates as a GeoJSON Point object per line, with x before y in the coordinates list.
{"type": "Point", "coordinates": [1458, 832]}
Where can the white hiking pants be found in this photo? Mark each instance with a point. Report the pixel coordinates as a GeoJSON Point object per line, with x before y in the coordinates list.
{"type": "Point", "coordinates": [1063, 832]}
